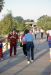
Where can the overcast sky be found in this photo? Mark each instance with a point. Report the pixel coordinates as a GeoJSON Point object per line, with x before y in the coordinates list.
{"type": "Point", "coordinates": [28, 9]}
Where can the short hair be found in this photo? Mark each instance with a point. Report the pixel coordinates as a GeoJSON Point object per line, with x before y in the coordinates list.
{"type": "Point", "coordinates": [26, 31]}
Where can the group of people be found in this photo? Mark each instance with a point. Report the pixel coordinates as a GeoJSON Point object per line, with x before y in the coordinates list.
{"type": "Point", "coordinates": [27, 41]}
{"type": "Point", "coordinates": [27, 44]}
{"type": "Point", "coordinates": [38, 31]}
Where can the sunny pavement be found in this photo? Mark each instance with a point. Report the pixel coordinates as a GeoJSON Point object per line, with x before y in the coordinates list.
{"type": "Point", "coordinates": [18, 65]}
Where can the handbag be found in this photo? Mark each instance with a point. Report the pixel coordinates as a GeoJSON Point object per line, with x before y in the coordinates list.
{"type": "Point", "coordinates": [21, 44]}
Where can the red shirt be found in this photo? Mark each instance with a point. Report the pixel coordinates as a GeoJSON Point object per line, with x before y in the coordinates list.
{"type": "Point", "coordinates": [23, 42]}
{"type": "Point", "coordinates": [13, 38]}
{"type": "Point", "coordinates": [49, 38]}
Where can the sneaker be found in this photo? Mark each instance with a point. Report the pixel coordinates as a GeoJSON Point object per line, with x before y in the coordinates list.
{"type": "Point", "coordinates": [28, 62]}
{"type": "Point", "coordinates": [31, 60]}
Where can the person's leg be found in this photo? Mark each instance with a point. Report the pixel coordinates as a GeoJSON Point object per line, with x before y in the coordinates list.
{"type": "Point", "coordinates": [28, 51]}
{"type": "Point", "coordinates": [24, 50]}
{"type": "Point", "coordinates": [35, 36]}
{"type": "Point", "coordinates": [41, 35]}
{"type": "Point", "coordinates": [47, 37]}
{"type": "Point", "coordinates": [1, 53]}
{"type": "Point", "coordinates": [14, 49]}
{"type": "Point", "coordinates": [28, 54]}
{"type": "Point", "coordinates": [32, 51]}
{"type": "Point", "coordinates": [11, 47]}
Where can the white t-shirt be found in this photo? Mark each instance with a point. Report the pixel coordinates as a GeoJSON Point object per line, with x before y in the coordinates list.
{"type": "Point", "coordinates": [42, 30]}
{"type": "Point", "coordinates": [35, 32]}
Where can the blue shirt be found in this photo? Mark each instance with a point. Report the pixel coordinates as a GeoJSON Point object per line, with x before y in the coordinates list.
{"type": "Point", "coordinates": [28, 37]}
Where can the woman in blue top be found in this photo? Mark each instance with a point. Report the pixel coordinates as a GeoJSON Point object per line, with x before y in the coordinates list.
{"type": "Point", "coordinates": [29, 46]}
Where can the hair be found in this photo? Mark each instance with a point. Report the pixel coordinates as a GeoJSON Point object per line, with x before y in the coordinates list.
{"type": "Point", "coordinates": [26, 31]}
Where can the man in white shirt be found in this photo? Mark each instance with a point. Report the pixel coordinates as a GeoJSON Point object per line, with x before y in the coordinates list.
{"type": "Point", "coordinates": [42, 31]}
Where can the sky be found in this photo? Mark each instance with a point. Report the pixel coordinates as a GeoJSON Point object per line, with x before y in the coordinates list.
{"type": "Point", "coordinates": [28, 9]}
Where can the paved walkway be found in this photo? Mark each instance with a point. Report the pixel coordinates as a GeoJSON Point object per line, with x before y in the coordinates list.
{"type": "Point", "coordinates": [18, 65]}
{"type": "Point", "coordinates": [40, 66]}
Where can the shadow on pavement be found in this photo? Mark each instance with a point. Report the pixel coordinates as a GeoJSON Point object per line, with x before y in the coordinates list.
{"type": "Point", "coordinates": [47, 71]}
{"type": "Point", "coordinates": [11, 63]}
{"type": "Point", "coordinates": [22, 69]}
{"type": "Point", "coordinates": [19, 59]}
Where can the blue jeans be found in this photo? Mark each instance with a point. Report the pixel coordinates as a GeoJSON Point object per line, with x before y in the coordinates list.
{"type": "Point", "coordinates": [30, 50]}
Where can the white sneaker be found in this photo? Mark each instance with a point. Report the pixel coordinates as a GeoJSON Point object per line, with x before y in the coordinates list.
{"type": "Point", "coordinates": [28, 62]}
{"type": "Point", "coordinates": [31, 60]}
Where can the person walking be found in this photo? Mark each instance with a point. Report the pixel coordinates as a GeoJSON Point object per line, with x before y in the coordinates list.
{"type": "Point", "coordinates": [47, 34]}
{"type": "Point", "coordinates": [42, 31]}
{"type": "Point", "coordinates": [24, 44]}
{"type": "Point", "coordinates": [29, 46]}
{"type": "Point", "coordinates": [13, 39]}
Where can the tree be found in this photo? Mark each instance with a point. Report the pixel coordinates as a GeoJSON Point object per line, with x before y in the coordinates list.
{"type": "Point", "coordinates": [20, 24]}
{"type": "Point", "coordinates": [6, 24]}
{"type": "Point", "coordinates": [9, 23]}
{"type": "Point", "coordinates": [44, 22]}
{"type": "Point", "coordinates": [1, 4]}
{"type": "Point", "coordinates": [19, 19]}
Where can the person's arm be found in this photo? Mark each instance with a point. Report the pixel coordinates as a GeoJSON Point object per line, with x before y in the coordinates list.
{"type": "Point", "coordinates": [17, 37]}
{"type": "Point", "coordinates": [8, 38]}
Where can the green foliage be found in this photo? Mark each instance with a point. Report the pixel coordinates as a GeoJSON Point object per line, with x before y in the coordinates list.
{"type": "Point", "coordinates": [9, 23]}
{"type": "Point", "coordinates": [44, 22]}
{"type": "Point", "coordinates": [20, 23]}
{"type": "Point", "coordinates": [6, 24]}
{"type": "Point", "coordinates": [19, 19]}
{"type": "Point", "coordinates": [1, 4]}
